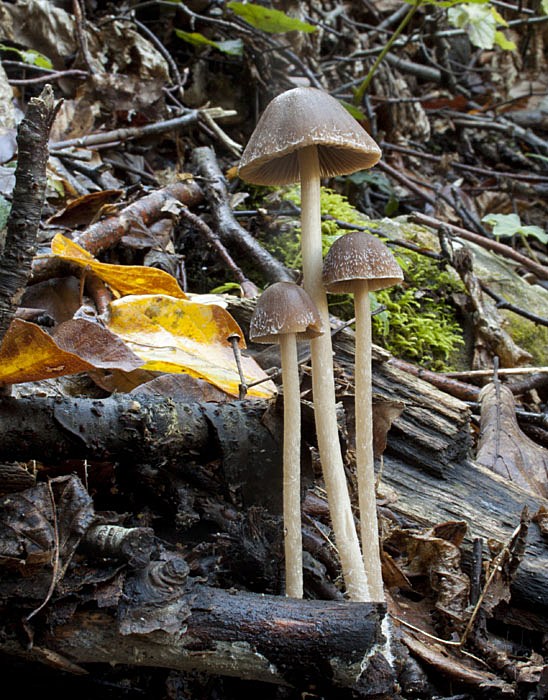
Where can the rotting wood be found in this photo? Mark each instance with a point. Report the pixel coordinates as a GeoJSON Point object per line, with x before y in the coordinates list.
{"type": "Point", "coordinates": [166, 620]}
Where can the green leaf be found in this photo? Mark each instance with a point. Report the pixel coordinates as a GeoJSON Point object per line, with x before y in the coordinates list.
{"type": "Point", "coordinates": [356, 112]}
{"type": "Point", "coordinates": [30, 56]}
{"type": "Point", "coordinates": [504, 43]}
{"type": "Point", "coordinates": [268, 20]}
{"type": "Point", "coordinates": [544, 5]}
{"type": "Point", "coordinates": [232, 47]}
{"type": "Point", "coordinates": [534, 232]}
{"type": "Point", "coordinates": [504, 225]}
{"type": "Point", "coordinates": [478, 21]}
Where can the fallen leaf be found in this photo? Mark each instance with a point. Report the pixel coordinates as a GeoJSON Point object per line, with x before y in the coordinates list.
{"type": "Point", "coordinates": [504, 448]}
{"type": "Point", "coordinates": [182, 387]}
{"type": "Point", "coordinates": [84, 210]}
{"type": "Point", "coordinates": [124, 279]}
{"type": "Point", "coordinates": [178, 335]}
{"type": "Point", "coordinates": [95, 344]}
{"type": "Point", "coordinates": [29, 354]}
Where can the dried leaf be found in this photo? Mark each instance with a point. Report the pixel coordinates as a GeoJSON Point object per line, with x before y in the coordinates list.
{"type": "Point", "coordinates": [178, 335]}
{"type": "Point", "coordinates": [84, 210]}
{"type": "Point", "coordinates": [125, 279]}
{"type": "Point", "coordinates": [452, 667]}
{"type": "Point", "coordinates": [95, 344]}
{"type": "Point", "coordinates": [504, 448]}
{"type": "Point", "coordinates": [42, 524]}
{"type": "Point", "coordinates": [182, 387]}
{"type": "Point", "coordinates": [29, 354]}
{"type": "Point", "coordinates": [431, 555]}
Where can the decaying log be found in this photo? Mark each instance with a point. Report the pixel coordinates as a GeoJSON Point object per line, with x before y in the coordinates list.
{"type": "Point", "coordinates": [427, 463]}
{"type": "Point", "coordinates": [149, 429]}
{"type": "Point", "coordinates": [166, 620]}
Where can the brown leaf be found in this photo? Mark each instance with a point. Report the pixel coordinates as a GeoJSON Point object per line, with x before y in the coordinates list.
{"type": "Point", "coordinates": [40, 529]}
{"type": "Point", "coordinates": [182, 387]}
{"type": "Point", "coordinates": [95, 344]}
{"type": "Point", "coordinates": [451, 666]}
{"type": "Point", "coordinates": [429, 555]}
{"type": "Point", "coordinates": [84, 210]}
{"type": "Point", "coordinates": [504, 448]}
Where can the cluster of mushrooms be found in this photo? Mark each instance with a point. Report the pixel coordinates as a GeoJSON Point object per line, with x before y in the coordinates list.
{"type": "Point", "coordinates": [305, 135]}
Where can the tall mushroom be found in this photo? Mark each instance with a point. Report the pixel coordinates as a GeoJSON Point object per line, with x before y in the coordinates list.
{"type": "Point", "coordinates": [285, 314]}
{"type": "Point", "coordinates": [358, 263]}
{"type": "Point", "coordinates": [306, 134]}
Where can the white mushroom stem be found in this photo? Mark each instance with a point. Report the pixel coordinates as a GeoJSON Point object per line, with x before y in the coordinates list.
{"type": "Point", "coordinates": [323, 384]}
{"type": "Point", "coordinates": [293, 542]}
{"type": "Point", "coordinates": [365, 469]}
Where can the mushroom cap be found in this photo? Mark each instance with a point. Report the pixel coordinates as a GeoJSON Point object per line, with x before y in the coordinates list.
{"type": "Point", "coordinates": [358, 257]}
{"type": "Point", "coordinates": [284, 308]}
{"type": "Point", "coordinates": [298, 118]}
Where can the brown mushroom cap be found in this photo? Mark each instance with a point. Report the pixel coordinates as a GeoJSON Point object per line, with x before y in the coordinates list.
{"type": "Point", "coordinates": [281, 309]}
{"type": "Point", "coordinates": [357, 257]}
{"type": "Point", "coordinates": [298, 118]}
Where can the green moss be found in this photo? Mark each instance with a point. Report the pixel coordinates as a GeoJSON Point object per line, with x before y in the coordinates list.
{"type": "Point", "coordinates": [419, 323]}
{"type": "Point", "coordinates": [529, 336]}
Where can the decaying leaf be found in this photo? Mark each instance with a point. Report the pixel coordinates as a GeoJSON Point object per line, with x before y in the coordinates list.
{"type": "Point", "coordinates": [178, 335]}
{"type": "Point", "coordinates": [182, 387]}
{"type": "Point", "coordinates": [385, 412]}
{"type": "Point", "coordinates": [504, 448]}
{"type": "Point", "coordinates": [124, 279]}
{"type": "Point", "coordinates": [84, 210]}
{"type": "Point", "coordinates": [451, 666]}
{"type": "Point", "coordinates": [95, 344]}
{"type": "Point", "coordinates": [435, 554]}
{"type": "Point", "coordinates": [30, 354]}
{"type": "Point", "coordinates": [541, 519]}
{"type": "Point", "coordinates": [40, 526]}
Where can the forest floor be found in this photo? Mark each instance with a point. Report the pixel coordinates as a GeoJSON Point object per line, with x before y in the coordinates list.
{"type": "Point", "coordinates": [122, 211]}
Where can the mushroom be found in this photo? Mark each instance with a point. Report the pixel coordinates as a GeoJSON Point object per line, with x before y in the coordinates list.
{"type": "Point", "coordinates": [285, 314]}
{"type": "Point", "coordinates": [306, 134]}
{"type": "Point", "coordinates": [358, 263]}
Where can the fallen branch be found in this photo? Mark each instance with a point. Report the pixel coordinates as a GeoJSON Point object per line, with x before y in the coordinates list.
{"type": "Point", "coordinates": [28, 198]}
{"type": "Point", "coordinates": [190, 118]}
{"type": "Point", "coordinates": [229, 229]}
{"type": "Point", "coordinates": [108, 232]}
{"type": "Point", "coordinates": [166, 620]}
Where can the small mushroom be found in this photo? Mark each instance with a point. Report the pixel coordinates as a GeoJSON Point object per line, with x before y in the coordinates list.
{"type": "Point", "coordinates": [285, 314]}
{"type": "Point", "coordinates": [305, 134]}
{"type": "Point", "coordinates": [358, 263]}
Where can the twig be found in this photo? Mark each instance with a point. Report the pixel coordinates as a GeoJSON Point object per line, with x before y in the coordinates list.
{"type": "Point", "coordinates": [526, 177]}
{"type": "Point", "coordinates": [126, 134]}
{"type": "Point", "coordinates": [503, 304]}
{"type": "Point", "coordinates": [51, 75]}
{"type": "Point", "coordinates": [108, 232]}
{"type": "Point", "coordinates": [248, 288]}
{"type": "Point", "coordinates": [28, 199]}
{"type": "Point", "coordinates": [229, 229]}
{"type": "Point", "coordinates": [541, 271]}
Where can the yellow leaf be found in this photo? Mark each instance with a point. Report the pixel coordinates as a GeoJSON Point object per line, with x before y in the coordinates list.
{"type": "Point", "coordinates": [29, 354]}
{"type": "Point", "coordinates": [125, 279]}
{"type": "Point", "coordinates": [178, 335]}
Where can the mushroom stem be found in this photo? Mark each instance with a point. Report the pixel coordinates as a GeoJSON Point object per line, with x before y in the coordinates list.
{"type": "Point", "coordinates": [323, 383]}
{"type": "Point", "coordinates": [365, 468]}
{"type": "Point", "coordinates": [293, 542]}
